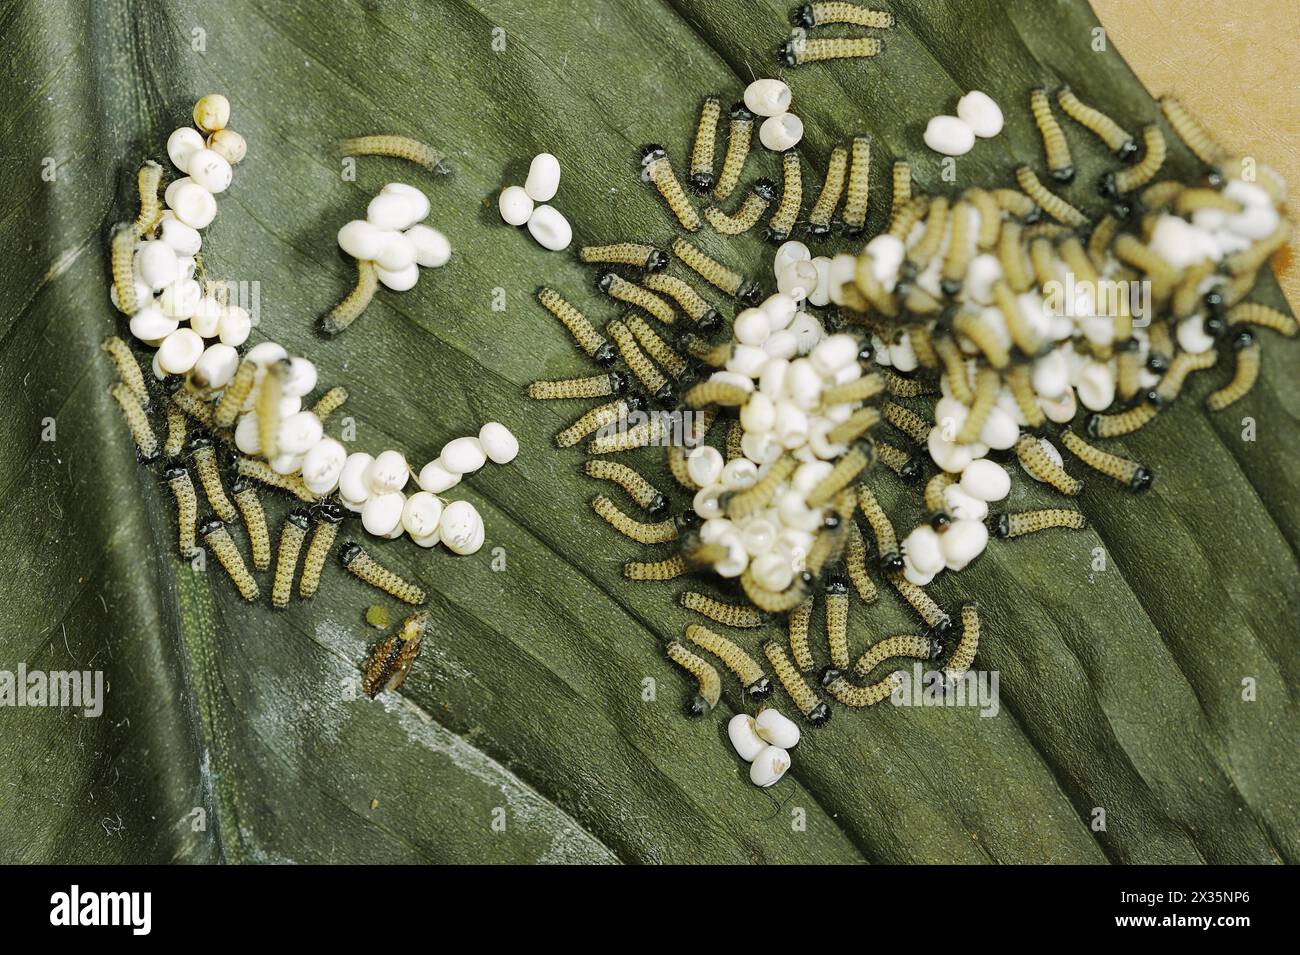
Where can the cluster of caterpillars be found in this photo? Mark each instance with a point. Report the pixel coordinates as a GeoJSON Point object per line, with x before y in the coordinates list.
{"type": "Point", "coordinates": [1033, 232]}
{"type": "Point", "coordinates": [809, 41]}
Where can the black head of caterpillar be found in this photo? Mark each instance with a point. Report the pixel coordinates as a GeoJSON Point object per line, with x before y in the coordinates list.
{"type": "Point", "coordinates": [350, 552]}
{"type": "Point", "coordinates": [300, 517]}
{"type": "Point", "coordinates": [766, 189]}
{"type": "Point", "coordinates": [656, 261]}
{"type": "Point", "coordinates": [650, 152]}
{"type": "Point", "coordinates": [330, 512]}
{"type": "Point", "coordinates": [210, 525]}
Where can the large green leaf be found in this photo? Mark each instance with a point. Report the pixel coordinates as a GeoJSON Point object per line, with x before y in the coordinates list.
{"type": "Point", "coordinates": [1121, 687]}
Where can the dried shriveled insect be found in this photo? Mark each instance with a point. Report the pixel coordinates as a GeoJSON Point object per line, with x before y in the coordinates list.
{"type": "Point", "coordinates": [855, 696]}
{"type": "Point", "coordinates": [234, 395]}
{"type": "Point", "coordinates": [128, 369]}
{"type": "Point", "coordinates": [400, 147]}
{"type": "Point", "coordinates": [748, 672]}
{"type": "Point", "coordinates": [706, 676]}
{"type": "Point", "coordinates": [1116, 138]}
{"type": "Point", "coordinates": [328, 403]}
{"type": "Point", "coordinates": [636, 254]}
{"type": "Point", "coordinates": [204, 454]}
{"type": "Point", "coordinates": [1055, 146]}
{"type": "Point", "coordinates": [783, 219]}
{"type": "Point", "coordinates": [1244, 374]}
{"type": "Point", "coordinates": [837, 619]}
{"type": "Point", "coordinates": [814, 710]}
{"type": "Point", "coordinates": [1129, 473]}
{"type": "Point", "coordinates": [250, 506]}
{"type": "Point", "coordinates": [1039, 465]}
{"type": "Point", "coordinates": [891, 561]}
{"type": "Point", "coordinates": [1138, 175]}
{"type": "Point", "coordinates": [187, 507]}
{"type": "Point", "coordinates": [658, 170]}
{"type": "Point", "coordinates": [688, 300]}
{"type": "Point", "coordinates": [364, 567]}
{"type": "Point", "coordinates": [354, 303]}
{"type": "Point", "coordinates": [903, 645]}
{"type": "Point", "coordinates": [1020, 523]}
{"type": "Point", "coordinates": [715, 273]}
{"type": "Point", "coordinates": [146, 442]}
{"type": "Point", "coordinates": [1191, 132]}
{"type": "Point", "coordinates": [584, 333]}
{"type": "Point", "coordinates": [761, 195]}
{"type": "Point", "coordinates": [218, 539]}
{"type": "Point", "coordinates": [706, 138]}
{"type": "Point", "coordinates": [963, 655]}
{"type": "Point", "coordinates": [740, 616]}
{"type": "Point", "coordinates": [620, 289]}
{"type": "Point", "coordinates": [1048, 201]}
{"type": "Point", "coordinates": [740, 132]}
{"type": "Point", "coordinates": [800, 50]}
{"type": "Point", "coordinates": [391, 661]}
{"type": "Point", "coordinates": [637, 487]}
{"type": "Point", "coordinates": [292, 536]}
{"type": "Point", "coordinates": [122, 263]}
{"type": "Point", "coordinates": [660, 532]}
{"type": "Point", "coordinates": [593, 386]}
{"type": "Point", "coordinates": [262, 472]}
{"type": "Point", "coordinates": [823, 210]}
{"type": "Point", "coordinates": [329, 515]}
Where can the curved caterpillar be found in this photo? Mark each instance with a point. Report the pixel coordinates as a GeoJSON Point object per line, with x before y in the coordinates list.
{"type": "Point", "coordinates": [365, 568]}
{"type": "Point", "coordinates": [1099, 124]}
{"type": "Point", "coordinates": [146, 442]}
{"type": "Point", "coordinates": [1139, 174]}
{"type": "Point", "coordinates": [261, 472]}
{"type": "Point", "coordinates": [719, 393]}
{"type": "Point", "coordinates": [234, 395]}
{"type": "Point", "coordinates": [1055, 146]}
{"type": "Point", "coordinates": [823, 210]}
{"type": "Point", "coordinates": [740, 616]}
{"type": "Point", "coordinates": [657, 170]}
{"type": "Point", "coordinates": [1191, 132]}
{"type": "Point", "coordinates": [637, 487]}
{"type": "Point", "coordinates": [706, 676]}
{"type": "Point", "coordinates": [860, 696]}
{"type": "Point", "coordinates": [814, 711]}
{"type": "Point", "coordinates": [354, 303]}
{"type": "Point", "coordinates": [752, 678]}
{"type": "Point", "coordinates": [1244, 374]}
{"type": "Point", "coordinates": [903, 645]}
{"type": "Point", "coordinates": [761, 195]}
{"type": "Point", "coordinates": [1048, 201]}
{"type": "Point", "coordinates": [122, 265]}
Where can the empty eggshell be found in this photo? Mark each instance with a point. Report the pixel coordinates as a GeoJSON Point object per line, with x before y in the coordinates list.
{"type": "Point", "coordinates": [183, 143]}
{"type": "Point", "coordinates": [779, 133]}
{"type": "Point", "coordinates": [767, 97]}
{"type": "Point", "coordinates": [744, 738]}
{"type": "Point", "coordinates": [179, 351]}
{"type": "Point", "coordinates": [704, 465]}
{"type": "Point", "coordinates": [193, 204]}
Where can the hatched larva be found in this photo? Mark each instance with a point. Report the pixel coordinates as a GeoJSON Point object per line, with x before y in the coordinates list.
{"type": "Point", "coordinates": [594, 386]}
{"type": "Point", "coordinates": [833, 11]}
{"type": "Point", "coordinates": [871, 289]}
{"type": "Point", "coordinates": [1039, 465]}
{"type": "Point", "coordinates": [234, 395]}
{"type": "Point", "coordinates": [1011, 256]}
{"type": "Point", "coordinates": [1161, 195]}
{"type": "Point", "coordinates": [250, 506]}
{"type": "Point", "coordinates": [1252, 259]}
{"type": "Point", "coordinates": [364, 567]}
{"type": "Point", "coordinates": [1138, 175]}
{"type": "Point", "coordinates": [715, 273]}
{"type": "Point", "coordinates": [900, 227]}
{"type": "Point", "coordinates": [677, 467]}
{"type": "Point", "coordinates": [902, 645]}
{"type": "Point", "coordinates": [1099, 242]}
{"type": "Point", "coordinates": [823, 210]}
{"type": "Point", "coordinates": [837, 619]}
{"type": "Point", "coordinates": [901, 197]}
{"type": "Point", "coordinates": [267, 405]}
{"type": "Point", "coordinates": [216, 537]}
{"type": "Point", "coordinates": [147, 180]}
{"type": "Point", "coordinates": [391, 661]}
{"type": "Point", "coordinates": [1116, 138]}
{"type": "Point", "coordinates": [122, 262]}
{"type": "Point", "coordinates": [1244, 374]}
{"type": "Point", "coordinates": [855, 696]}
{"type": "Point", "coordinates": [354, 303]}
{"type": "Point", "coordinates": [1023, 335]}
{"type": "Point", "coordinates": [855, 562]}
{"type": "Point", "coordinates": [721, 393]}
{"type": "Point", "coordinates": [920, 601]}
{"type": "Point", "coordinates": [1128, 367]}
{"type": "Point", "coordinates": [656, 169]}
{"type": "Point", "coordinates": [1160, 350]}
{"type": "Point", "coordinates": [1016, 203]}
{"type": "Point", "coordinates": [847, 468]}
{"type": "Point", "coordinates": [1122, 422]}
{"type": "Point", "coordinates": [800, 50]}
{"type": "Point", "coordinates": [927, 246]}
{"type": "Point", "coordinates": [1131, 250]}
{"type": "Point", "coordinates": [146, 442]}
{"type": "Point", "coordinates": [642, 435]}
{"type": "Point", "coordinates": [745, 504]}
{"type": "Point", "coordinates": [204, 454]}
{"type": "Point", "coordinates": [258, 470]}
{"type": "Point", "coordinates": [1042, 259]}
{"type": "Point", "coordinates": [1020, 380]}
{"type": "Point", "coordinates": [890, 560]}
{"type": "Point", "coordinates": [854, 426]}
{"type": "Point", "coordinates": [400, 147]}
{"type": "Point", "coordinates": [740, 132]}
{"type": "Point", "coordinates": [625, 253]}
{"type": "Point", "coordinates": [620, 289]}
{"type": "Point", "coordinates": [1048, 201]}
{"type": "Point", "coordinates": [128, 369]}
{"type": "Point", "coordinates": [814, 710]}
{"type": "Point", "coordinates": [174, 443]}
{"type": "Point", "coordinates": [798, 624]}
{"type": "Point", "coordinates": [688, 300]}
{"type": "Point", "coordinates": [1255, 313]}
{"type": "Point", "coordinates": [1019, 523]}
{"type": "Point", "coordinates": [292, 535]}
{"type": "Point", "coordinates": [651, 378]}
{"type": "Point", "coordinates": [656, 571]}
{"type": "Point", "coordinates": [1129, 473]}
{"type": "Point", "coordinates": [715, 356]}
{"type": "Point", "coordinates": [827, 546]}
{"type": "Point", "coordinates": [783, 219]}
{"type": "Point", "coordinates": [187, 507]}
{"type": "Point", "coordinates": [1055, 146]}
{"type": "Point", "coordinates": [1191, 132]}
{"type": "Point", "coordinates": [1191, 201]}
{"type": "Point", "coordinates": [906, 420]}
{"type": "Point", "coordinates": [329, 403]}
{"type": "Point", "coordinates": [896, 459]}
{"type": "Point", "coordinates": [1184, 363]}
{"type": "Point", "coordinates": [983, 336]}
{"type": "Point", "coordinates": [963, 655]}
{"type": "Point", "coordinates": [734, 447]}
{"type": "Point", "coordinates": [748, 672]}
{"type": "Point", "coordinates": [706, 676]}
{"type": "Point", "coordinates": [960, 249]}
{"type": "Point", "coordinates": [706, 136]}
{"type": "Point", "coordinates": [775, 601]}
{"type": "Point", "coordinates": [990, 218]}
{"type": "Point", "coordinates": [954, 367]}
{"type": "Point", "coordinates": [935, 504]}
{"type": "Point", "coordinates": [741, 616]}
{"type": "Point", "coordinates": [637, 487]}
{"type": "Point", "coordinates": [761, 195]}
{"type": "Point", "coordinates": [1187, 297]}
{"type": "Point", "coordinates": [988, 384]}
{"type": "Point", "coordinates": [577, 324]}
{"type": "Point", "coordinates": [659, 350]}
{"type": "Point", "coordinates": [658, 533]}
{"type": "Point", "coordinates": [865, 388]}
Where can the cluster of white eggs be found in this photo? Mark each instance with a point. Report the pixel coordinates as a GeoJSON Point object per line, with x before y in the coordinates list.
{"type": "Point", "coordinates": [518, 205]}
{"type": "Point", "coordinates": [191, 328]}
{"type": "Point", "coordinates": [977, 115]}
{"type": "Point", "coordinates": [393, 236]}
{"type": "Point", "coordinates": [782, 129]}
{"type": "Point", "coordinates": [764, 741]}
